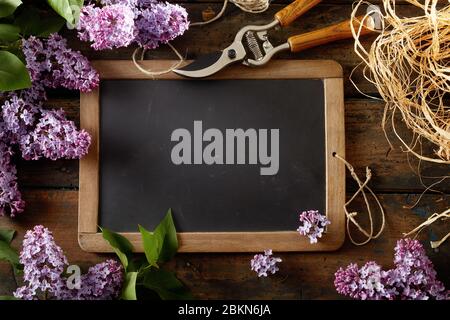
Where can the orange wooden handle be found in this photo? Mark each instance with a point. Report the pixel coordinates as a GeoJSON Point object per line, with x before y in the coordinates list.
{"type": "Point", "coordinates": [288, 14]}
{"type": "Point", "coordinates": [332, 33]}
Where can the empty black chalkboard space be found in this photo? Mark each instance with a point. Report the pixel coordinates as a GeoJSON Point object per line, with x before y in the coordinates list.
{"type": "Point", "coordinates": [236, 157]}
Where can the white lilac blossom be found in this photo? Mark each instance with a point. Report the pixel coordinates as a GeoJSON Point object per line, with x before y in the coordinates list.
{"type": "Point", "coordinates": [264, 264]}
{"type": "Point", "coordinates": [412, 278]}
{"type": "Point", "coordinates": [44, 265]}
{"type": "Point", "coordinates": [11, 201]}
{"type": "Point", "coordinates": [109, 27]}
{"type": "Point", "coordinates": [122, 22]}
{"type": "Point", "coordinates": [52, 64]}
{"type": "Point", "coordinates": [312, 224]}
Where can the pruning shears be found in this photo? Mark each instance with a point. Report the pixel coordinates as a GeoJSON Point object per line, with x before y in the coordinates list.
{"type": "Point", "coordinates": [252, 47]}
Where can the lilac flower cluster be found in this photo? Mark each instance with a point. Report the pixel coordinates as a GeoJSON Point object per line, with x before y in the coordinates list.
{"type": "Point", "coordinates": [108, 27]}
{"type": "Point", "coordinates": [121, 22]}
{"type": "Point", "coordinates": [54, 137]}
{"type": "Point", "coordinates": [39, 132]}
{"type": "Point", "coordinates": [312, 224]}
{"type": "Point", "coordinates": [44, 265]}
{"type": "Point", "coordinates": [10, 198]}
{"type": "Point", "coordinates": [43, 262]}
{"type": "Point", "coordinates": [102, 282]}
{"type": "Point", "coordinates": [412, 278]}
{"type": "Point", "coordinates": [263, 264]}
{"type": "Point", "coordinates": [52, 64]}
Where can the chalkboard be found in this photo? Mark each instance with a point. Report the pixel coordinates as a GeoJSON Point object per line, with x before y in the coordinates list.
{"type": "Point", "coordinates": [231, 156]}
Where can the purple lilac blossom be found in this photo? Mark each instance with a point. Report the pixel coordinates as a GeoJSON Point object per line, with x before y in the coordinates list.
{"type": "Point", "coordinates": [54, 137]}
{"type": "Point", "coordinates": [160, 23]}
{"type": "Point", "coordinates": [52, 64]}
{"type": "Point", "coordinates": [43, 262]}
{"type": "Point", "coordinates": [312, 224]}
{"type": "Point", "coordinates": [412, 278]}
{"type": "Point", "coordinates": [263, 264]}
{"type": "Point", "coordinates": [10, 197]}
{"type": "Point", "coordinates": [102, 282]}
{"type": "Point", "coordinates": [109, 27]}
{"type": "Point", "coordinates": [121, 22]}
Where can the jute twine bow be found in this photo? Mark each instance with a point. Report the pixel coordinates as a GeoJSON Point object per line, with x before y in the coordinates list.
{"type": "Point", "coordinates": [251, 6]}
{"type": "Point", "coordinates": [351, 216]}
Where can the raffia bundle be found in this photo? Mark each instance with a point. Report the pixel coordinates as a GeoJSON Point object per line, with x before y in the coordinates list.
{"type": "Point", "coordinates": [409, 64]}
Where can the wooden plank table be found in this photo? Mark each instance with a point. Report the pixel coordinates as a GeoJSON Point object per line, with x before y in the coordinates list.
{"type": "Point", "coordinates": [50, 187]}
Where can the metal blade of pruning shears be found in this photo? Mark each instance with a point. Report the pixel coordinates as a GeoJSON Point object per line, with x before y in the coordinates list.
{"type": "Point", "coordinates": [213, 62]}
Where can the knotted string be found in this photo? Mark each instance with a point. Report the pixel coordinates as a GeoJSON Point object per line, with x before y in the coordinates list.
{"type": "Point", "coordinates": [252, 6]}
{"type": "Point", "coordinates": [351, 216]}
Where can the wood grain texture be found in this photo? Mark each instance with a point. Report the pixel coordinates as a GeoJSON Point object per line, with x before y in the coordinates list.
{"type": "Point", "coordinates": [331, 73]}
{"type": "Point", "coordinates": [335, 32]}
{"type": "Point", "coordinates": [228, 276]}
{"type": "Point", "coordinates": [89, 165]}
{"type": "Point", "coordinates": [294, 10]}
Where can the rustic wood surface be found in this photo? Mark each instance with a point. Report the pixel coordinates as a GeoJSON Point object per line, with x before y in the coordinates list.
{"type": "Point", "coordinates": [50, 187]}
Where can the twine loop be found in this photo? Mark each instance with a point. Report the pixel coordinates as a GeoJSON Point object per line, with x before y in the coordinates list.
{"type": "Point", "coordinates": [363, 188]}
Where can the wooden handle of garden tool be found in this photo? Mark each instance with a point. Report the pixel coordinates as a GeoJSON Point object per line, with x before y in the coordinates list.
{"type": "Point", "coordinates": [288, 14]}
{"type": "Point", "coordinates": [329, 34]}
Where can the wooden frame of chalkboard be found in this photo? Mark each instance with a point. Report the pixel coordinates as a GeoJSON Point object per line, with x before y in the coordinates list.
{"type": "Point", "coordinates": [89, 237]}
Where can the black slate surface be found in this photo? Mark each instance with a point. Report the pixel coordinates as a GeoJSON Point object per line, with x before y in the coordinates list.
{"type": "Point", "coordinates": [139, 182]}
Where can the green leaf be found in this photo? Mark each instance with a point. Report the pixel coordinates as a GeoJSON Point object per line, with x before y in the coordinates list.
{"type": "Point", "coordinates": [162, 244]}
{"type": "Point", "coordinates": [7, 235]}
{"type": "Point", "coordinates": [9, 32]}
{"type": "Point", "coordinates": [68, 9]}
{"type": "Point", "coordinates": [152, 246]}
{"type": "Point", "coordinates": [129, 287]}
{"type": "Point", "coordinates": [32, 23]}
{"type": "Point", "coordinates": [8, 298]}
{"type": "Point", "coordinates": [121, 246]}
{"type": "Point", "coordinates": [165, 284]}
{"type": "Point", "coordinates": [13, 73]}
{"type": "Point", "coordinates": [166, 230]}
{"type": "Point", "coordinates": [7, 253]}
{"type": "Point", "coordinates": [7, 7]}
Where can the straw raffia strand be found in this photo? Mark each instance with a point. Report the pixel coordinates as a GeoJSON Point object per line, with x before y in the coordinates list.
{"type": "Point", "coordinates": [409, 64]}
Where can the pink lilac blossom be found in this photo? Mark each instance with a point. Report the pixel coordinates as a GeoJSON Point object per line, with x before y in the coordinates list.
{"type": "Point", "coordinates": [263, 264]}
{"type": "Point", "coordinates": [54, 137]}
{"type": "Point", "coordinates": [11, 202]}
{"type": "Point", "coordinates": [109, 27]}
{"type": "Point", "coordinates": [412, 278]}
{"type": "Point", "coordinates": [52, 64]}
{"type": "Point", "coordinates": [312, 224]}
{"type": "Point", "coordinates": [44, 265]}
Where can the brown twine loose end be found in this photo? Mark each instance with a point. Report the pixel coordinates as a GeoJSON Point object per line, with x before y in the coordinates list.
{"type": "Point", "coordinates": [351, 216]}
